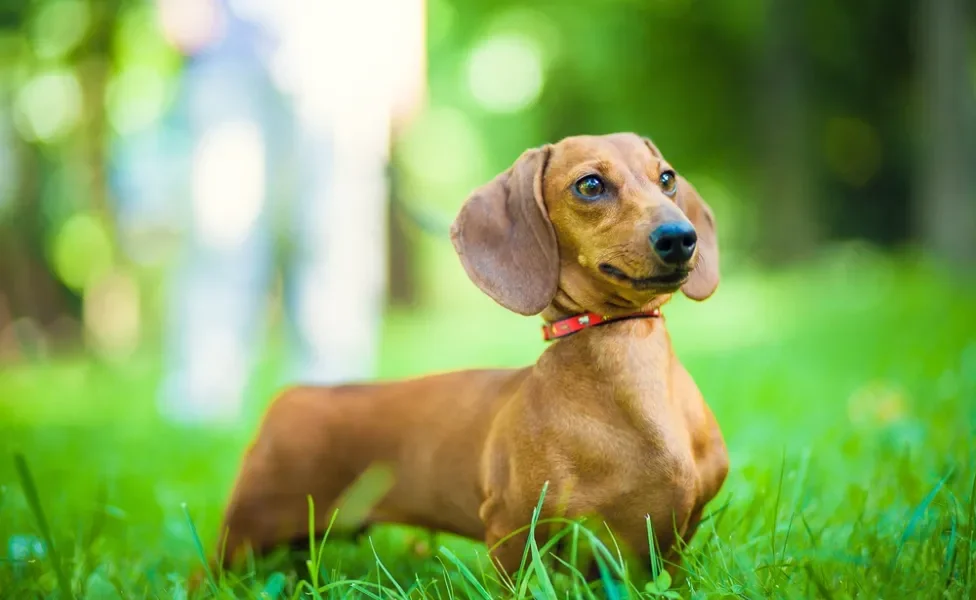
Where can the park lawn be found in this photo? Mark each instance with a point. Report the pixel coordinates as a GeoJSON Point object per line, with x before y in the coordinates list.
{"type": "Point", "coordinates": [846, 391]}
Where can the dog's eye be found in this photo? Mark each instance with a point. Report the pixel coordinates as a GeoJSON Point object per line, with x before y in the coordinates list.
{"type": "Point", "coordinates": [669, 182]}
{"type": "Point", "coordinates": [590, 187]}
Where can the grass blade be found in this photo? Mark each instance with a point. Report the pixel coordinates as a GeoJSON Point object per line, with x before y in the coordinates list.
{"type": "Point", "coordinates": [315, 555]}
{"type": "Point", "coordinates": [466, 573]}
{"type": "Point", "coordinates": [606, 579]}
{"type": "Point", "coordinates": [655, 556]}
{"type": "Point", "coordinates": [950, 552]}
{"type": "Point", "coordinates": [538, 566]}
{"type": "Point", "coordinates": [818, 582]}
{"type": "Point", "coordinates": [574, 559]}
{"type": "Point", "coordinates": [916, 517]}
{"type": "Point", "coordinates": [779, 495]}
{"type": "Point", "coordinates": [379, 563]}
{"type": "Point", "coordinates": [579, 581]}
{"type": "Point", "coordinates": [312, 564]}
{"type": "Point", "coordinates": [201, 554]}
{"type": "Point", "coordinates": [274, 586]}
{"type": "Point", "coordinates": [967, 576]}
{"type": "Point", "coordinates": [34, 501]}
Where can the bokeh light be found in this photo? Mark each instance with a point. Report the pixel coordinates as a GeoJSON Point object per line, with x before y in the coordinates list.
{"type": "Point", "coordinates": [441, 19]}
{"type": "Point", "coordinates": [504, 73]}
{"type": "Point", "coordinates": [49, 105]}
{"type": "Point", "coordinates": [190, 25]}
{"type": "Point", "coordinates": [228, 182]}
{"type": "Point", "coordinates": [530, 23]}
{"type": "Point", "coordinates": [112, 315]}
{"type": "Point", "coordinates": [81, 250]}
{"type": "Point", "coordinates": [442, 155]}
{"type": "Point", "coordinates": [136, 98]}
{"type": "Point", "coordinates": [60, 25]}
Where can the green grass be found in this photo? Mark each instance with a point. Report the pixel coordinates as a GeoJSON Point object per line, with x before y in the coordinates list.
{"type": "Point", "coordinates": [846, 391]}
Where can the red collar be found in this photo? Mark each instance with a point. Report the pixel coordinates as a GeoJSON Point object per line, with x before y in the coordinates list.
{"type": "Point", "coordinates": [569, 325]}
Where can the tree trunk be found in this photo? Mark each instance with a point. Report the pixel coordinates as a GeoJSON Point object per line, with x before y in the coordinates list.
{"type": "Point", "coordinates": [29, 288]}
{"type": "Point", "coordinates": [790, 228]}
{"type": "Point", "coordinates": [401, 273]}
{"type": "Point", "coordinates": [945, 192]}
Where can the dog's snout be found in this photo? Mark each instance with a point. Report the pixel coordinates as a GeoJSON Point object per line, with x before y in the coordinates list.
{"type": "Point", "coordinates": [674, 242]}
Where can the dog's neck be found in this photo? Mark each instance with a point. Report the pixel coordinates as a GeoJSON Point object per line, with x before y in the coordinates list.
{"type": "Point", "coordinates": [628, 365]}
{"type": "Point", "coordinates": [564, 306]}
{"type": "Point", "coordinates": [631, 358]}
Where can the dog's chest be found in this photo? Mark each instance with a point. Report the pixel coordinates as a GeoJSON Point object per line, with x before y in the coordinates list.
{"type": "Point", "coordinates": [616, 435]}
{"type": "Point", "coordinates": [627, 437]}
{"type": "Point", "coordinates": [607, 469]}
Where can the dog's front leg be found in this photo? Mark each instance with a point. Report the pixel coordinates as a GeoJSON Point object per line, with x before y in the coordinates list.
{"type": "Point", "coordinates": [506, 555]}
{"type": "Point", "coordinates": [504, 548]}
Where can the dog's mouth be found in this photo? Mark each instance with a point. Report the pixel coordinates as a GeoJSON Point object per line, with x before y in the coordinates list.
{"type": "Point", "coordinates": [669, 281]}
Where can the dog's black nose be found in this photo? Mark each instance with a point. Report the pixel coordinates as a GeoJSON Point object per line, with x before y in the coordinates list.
{"type": "Point", "coordinates": [674, 242]}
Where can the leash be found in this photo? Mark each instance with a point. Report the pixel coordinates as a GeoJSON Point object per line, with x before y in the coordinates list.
{"type": "Point", "coordinates": [571, 325]}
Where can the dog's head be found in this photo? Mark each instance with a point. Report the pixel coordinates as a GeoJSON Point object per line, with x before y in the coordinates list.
{"type": "Point", "coordinates": [592, 223]}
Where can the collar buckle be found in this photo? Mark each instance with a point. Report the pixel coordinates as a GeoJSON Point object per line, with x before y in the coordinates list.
{"type": "Point", "coordinates": [570, 325]}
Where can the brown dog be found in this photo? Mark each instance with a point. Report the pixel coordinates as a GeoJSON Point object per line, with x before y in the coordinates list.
{"type": "Point", "coordinates": [586, 230]}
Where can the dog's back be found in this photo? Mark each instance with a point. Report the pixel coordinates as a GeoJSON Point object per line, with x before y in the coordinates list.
{"type": "Point", "coordinates": [318, 440]}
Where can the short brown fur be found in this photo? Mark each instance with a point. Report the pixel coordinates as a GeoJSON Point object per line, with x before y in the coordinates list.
{"type": "Point", "coordinates": [608, 416]}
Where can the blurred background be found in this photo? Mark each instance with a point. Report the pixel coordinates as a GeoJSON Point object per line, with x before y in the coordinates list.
{"type": "Point", "coordinates": [207, 184]}
{"type": "Point", "coordinates": [195, 179]}
{"type": "Point", "coordinates": [201, 187]}
{"type": "Point", "coordinates": [204, 200]}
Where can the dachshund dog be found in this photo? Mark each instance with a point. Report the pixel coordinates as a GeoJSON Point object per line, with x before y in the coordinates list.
{"type": "Point", "coordinates": [595, 234]}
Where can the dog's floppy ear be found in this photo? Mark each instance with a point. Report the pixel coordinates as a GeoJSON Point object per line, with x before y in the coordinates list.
{"type": "Point", "coordinates": [505, 239]}
{"type": "Point", "coordinates": [704, 278]}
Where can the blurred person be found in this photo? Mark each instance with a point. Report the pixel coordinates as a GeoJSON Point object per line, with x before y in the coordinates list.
{"type": "Point", "coordinates": [288, 108]}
